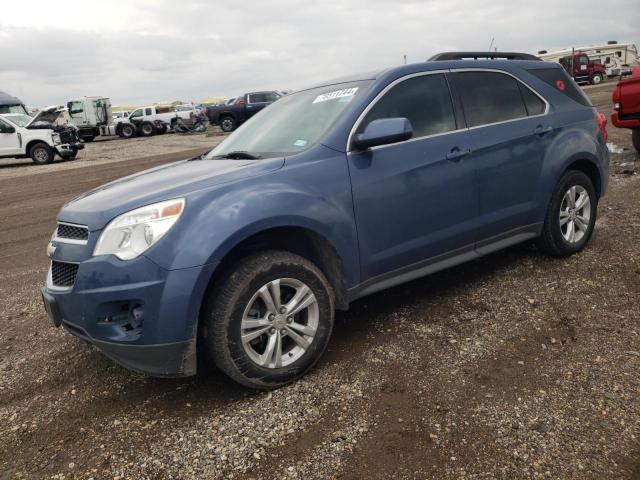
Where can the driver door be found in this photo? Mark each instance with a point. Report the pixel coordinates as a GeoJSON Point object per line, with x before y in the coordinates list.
{"type": "Point", "coordinates": [9, 140]}
{"type": "Point", "coordinates": [415, 201]}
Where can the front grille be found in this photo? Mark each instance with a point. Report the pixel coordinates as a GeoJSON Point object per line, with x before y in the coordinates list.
{"type": "Point", "coordinates": [63, 274]}
{"type": "Point", "coordinates": [72, 232]}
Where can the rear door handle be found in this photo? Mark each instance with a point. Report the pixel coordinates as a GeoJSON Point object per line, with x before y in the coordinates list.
{"type": "Point", "coordinates": [540, 130]}
{"type": "Point", "coordinates": [456, 154]}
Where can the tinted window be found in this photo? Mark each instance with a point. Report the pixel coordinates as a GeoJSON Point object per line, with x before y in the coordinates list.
{"type": "Point", "coordinates": [424, 100]}
{"type": "Point", "coordinates": [257, 98]}
{"type": "Point", "coordinates": [559, 79]}
{"type": "Point", "coordinates": [489, 97]}
{"type": "Point", "coordinates": [147, 111]}
{"type": "Point", "coordinates": [271, 96]}
{"type": "Point", "coordinates": [535, 106]}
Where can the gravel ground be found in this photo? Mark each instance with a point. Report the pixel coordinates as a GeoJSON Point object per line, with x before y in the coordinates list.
{"type": "Point", "coordinates": [512, 366]}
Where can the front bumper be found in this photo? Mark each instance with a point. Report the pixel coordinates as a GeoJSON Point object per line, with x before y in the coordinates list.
{"type": "Point", "coordinates": [69, 149]}
{"type": "Point", "coordinates": [624, 123]}
{"type": "Point", "coordinates": [142, 316]}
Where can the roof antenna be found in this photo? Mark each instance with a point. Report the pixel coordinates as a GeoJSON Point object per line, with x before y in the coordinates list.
{"type": "Point", "coordinates": [491, 44]}
{"type": "Point", "coordinates": [405, 59]}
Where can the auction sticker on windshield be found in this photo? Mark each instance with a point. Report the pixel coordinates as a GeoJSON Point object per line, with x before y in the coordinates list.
{"type": "Point", "coordinates": [347, 92]}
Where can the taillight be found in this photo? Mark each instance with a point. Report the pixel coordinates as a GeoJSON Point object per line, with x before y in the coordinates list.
{"type": "Point", "coordinates": [602, 125]}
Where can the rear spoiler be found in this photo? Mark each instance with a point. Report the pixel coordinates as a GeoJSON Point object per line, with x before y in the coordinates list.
{"type": "Point", "coordinates": [483, 55]}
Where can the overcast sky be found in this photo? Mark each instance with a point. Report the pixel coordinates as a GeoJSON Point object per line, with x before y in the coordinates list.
{"type": "Point", "coordinates": [142, 51]}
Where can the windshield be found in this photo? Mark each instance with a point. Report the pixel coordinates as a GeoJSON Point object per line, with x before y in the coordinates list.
{"type": "Point", "coordinates": [13, 109]}
{"type": "Point", "coordinates": [20, 120]}
{"type": "Point", "coordinates": [293, 123]}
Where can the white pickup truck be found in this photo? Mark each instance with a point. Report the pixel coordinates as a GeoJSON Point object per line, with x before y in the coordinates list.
{"type": "Point", "coordinates": [166, 114]}
{"type": "Point", "coordinates": [40, 137]}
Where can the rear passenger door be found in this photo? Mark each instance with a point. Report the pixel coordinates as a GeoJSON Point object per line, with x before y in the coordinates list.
{"type": "Point", "coordinates": [414, 201]}
{"type": "Point", "coordinates": [510, 134]}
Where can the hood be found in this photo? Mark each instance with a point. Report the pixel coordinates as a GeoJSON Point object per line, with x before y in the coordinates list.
{"type": "Point", "coordinates": [99, 206]}
{"type": "Point", "coordinates": [6, 99]}
{"type": "Point", "coordinates": [53, 116]}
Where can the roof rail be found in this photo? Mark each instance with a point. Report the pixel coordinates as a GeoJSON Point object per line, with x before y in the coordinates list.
{"type": "Point", "coordinates": [483, 55]}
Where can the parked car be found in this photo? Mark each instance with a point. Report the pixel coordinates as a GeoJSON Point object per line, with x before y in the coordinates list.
{"type": "Point", "coordinates": [119, 116]}
{"type": "Point", "coordinates": [332, 193]}
{"type": "Point", "coordinates": [626, 106]}
{"type": "Point", "coordinates": [583, 69]}
{"type": "Point", "coordinates": [229, 117]}
{"type": "Point", "coordinates": [40, 137]}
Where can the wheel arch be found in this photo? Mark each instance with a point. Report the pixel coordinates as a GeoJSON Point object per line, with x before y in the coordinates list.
{"type": "Point", "coordinates": [33, 142]}
{"type": "Point", "coordinates": [300, 240]}
{"type": "Point", "coordinates": [590, 169]}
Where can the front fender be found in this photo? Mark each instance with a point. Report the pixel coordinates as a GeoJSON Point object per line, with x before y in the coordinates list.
{"type": "Point", "coordinates": [314, 195]}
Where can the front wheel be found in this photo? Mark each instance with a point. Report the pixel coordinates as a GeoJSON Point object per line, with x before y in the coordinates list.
{"type": "Point", "coordinates": [635, 138]}
{"type": "Point", "coordinates": [41, 153]}
{"type": "Point", "coordinates": [571, 215]}
{"type": "Point", "coordinates": [127, 131]}
{"type": "Point", "coordinates": [269, 320]}
{"type": "Point", "coordinates": [596, 79]}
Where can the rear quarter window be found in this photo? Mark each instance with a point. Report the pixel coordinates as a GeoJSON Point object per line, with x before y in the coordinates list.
{"type": "Point", "coordinates": [559, 79]}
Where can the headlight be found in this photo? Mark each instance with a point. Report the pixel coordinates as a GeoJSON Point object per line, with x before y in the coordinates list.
{"type": "Point", "coordinates": [130, 234]}
{"type": "Point", "coordinates": [56, 138]}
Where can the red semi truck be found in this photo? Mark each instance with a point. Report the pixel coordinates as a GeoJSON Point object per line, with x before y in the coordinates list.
{"type": "Point", "coordinates": [626, 106]}
{"type": "Point", "coordinates": [583, 69]}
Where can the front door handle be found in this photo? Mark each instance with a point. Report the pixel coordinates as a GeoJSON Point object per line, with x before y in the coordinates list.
{"type": "Point", "coordinates": [541, 131]}
{"type": "Point", "coordinates": [456, 154]}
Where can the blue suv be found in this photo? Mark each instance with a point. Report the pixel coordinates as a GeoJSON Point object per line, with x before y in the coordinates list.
{"type": "Point", "coordinates": [240, 257]}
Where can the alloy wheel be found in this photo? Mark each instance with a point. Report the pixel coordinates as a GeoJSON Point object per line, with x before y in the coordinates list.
{"type": "Point", "coordinates": [279, 323]}
{"type": "Point", "coordinates": [575, 214]}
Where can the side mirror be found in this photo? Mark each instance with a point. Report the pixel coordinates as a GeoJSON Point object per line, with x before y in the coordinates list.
{"type": "Point", "coordinates": [383, 132]}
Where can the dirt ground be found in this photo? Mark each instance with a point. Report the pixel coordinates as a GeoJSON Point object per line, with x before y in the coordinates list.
{"type": "Point", "coordinates": [512, 366]}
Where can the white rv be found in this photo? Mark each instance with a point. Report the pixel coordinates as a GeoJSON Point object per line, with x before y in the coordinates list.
{"type": "Point", "coordinates": [617, 58]}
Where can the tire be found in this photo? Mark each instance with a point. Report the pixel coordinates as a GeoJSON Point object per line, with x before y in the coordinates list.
{"type": "Point", "coordinates": [556, 238]}
{"type": "Point", "coordinates": [161, 129]}
{"type": "Point", "coordinates": [230, 302]}
{"type": "Point", "coordinates": [635, 139]}
{"type": "Point", "coordinates": [228, 124]}
{"type": "Point", "coordinates": [596, 79]}
{"type": "Point", "coordinates": [127, 131]}
{"type": "Point", "coordinates": [147, 129]}
{"type": "Point", "coordinates": [41, 153]}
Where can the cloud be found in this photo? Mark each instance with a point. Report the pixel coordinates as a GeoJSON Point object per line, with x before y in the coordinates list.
{"type": "Point", "coordinates": [142, 51]}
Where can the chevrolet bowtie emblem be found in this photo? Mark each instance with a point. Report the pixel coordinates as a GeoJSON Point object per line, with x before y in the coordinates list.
{"type": "Point", "coordinates": [51, 249]}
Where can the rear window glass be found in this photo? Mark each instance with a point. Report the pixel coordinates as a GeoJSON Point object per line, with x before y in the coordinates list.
{"type": "Point", "coordinates": [489, 97]}
{"type": "Point", "coordinates": [559, 79]}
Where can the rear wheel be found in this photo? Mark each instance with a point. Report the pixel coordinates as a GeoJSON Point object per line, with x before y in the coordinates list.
{"type": "Point", "coordinates": [270, 320]}
{"type": "Point", "coordinates": [571, 215]}
{"type": "Point", "coordinates": [635, 138]}
{"type": "Point", "coordinates": [41, 153]}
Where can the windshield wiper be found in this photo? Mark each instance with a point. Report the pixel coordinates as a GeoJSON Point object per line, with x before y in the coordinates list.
{"type": "Point", "coordinates": [239, 155]}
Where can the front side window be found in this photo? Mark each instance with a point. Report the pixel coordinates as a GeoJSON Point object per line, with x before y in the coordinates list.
{"type": "Point", "coordinates": [584, 60]}
{"type": "Point", "coordinates": [75, 108]}
{"type": "Point", "coordinates": [489, 97]}
{"type": "Point", "coordinates": [425, 101]}
{"type": "Point", "coordinates": [4, 127]}
{"type": "Point", "coordinates": [136, 113]}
